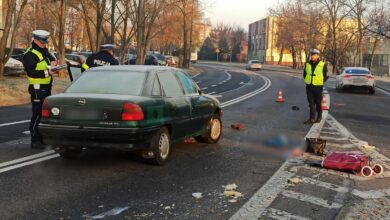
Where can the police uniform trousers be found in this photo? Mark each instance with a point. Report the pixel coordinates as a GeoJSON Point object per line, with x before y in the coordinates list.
{"type": "Point", "coordinates": [37, 98]}
{"type": "Point", "coordinates": [314, 96]}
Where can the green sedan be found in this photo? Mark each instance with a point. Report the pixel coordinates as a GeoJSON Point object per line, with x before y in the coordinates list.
{"type": "Point", "coordinates": [137, 108]}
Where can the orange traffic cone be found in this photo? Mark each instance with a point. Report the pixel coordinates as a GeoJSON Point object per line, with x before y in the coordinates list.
{"type": "Point", "coordinates": [280, 96]}
{"type": "Point", "coordinates": [324, 105]}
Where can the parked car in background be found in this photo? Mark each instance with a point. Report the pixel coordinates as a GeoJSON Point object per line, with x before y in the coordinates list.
{"type": "Point", "coordinates": [80, 59]}
{"type": "Point", "coordinates": [85, 54]}
{"type": "Point", "coordinates": [132, 108]}
{"type": "Point", "coordinates": [253, 65]}
{"type": "Point", "coordinates": [13, 67]}
{"type": "Point", "coordinates": [149, 60]}
{"type": "Point", "coordinates": [194, 57]}
{"type": "Point", "coordinates": [68, 61]}
{"type": "Point", "coordinates": [355, 77]}
{"type": "Point", "coordinates": [17, 53]}
{"type": "Point", "coordinates": [161, 59]}
{"type": "Point", "coordinates": [171, 61]}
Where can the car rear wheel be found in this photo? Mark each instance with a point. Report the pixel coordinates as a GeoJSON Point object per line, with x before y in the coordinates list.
{"type": "Point", "coordinates": [371, 91]}
{"type": "Point", "coordinates": [161, 146]}
{"type": "Point", "coordinates": [214, 131]}
{"type": "Point", "coordinates": [69, 153]}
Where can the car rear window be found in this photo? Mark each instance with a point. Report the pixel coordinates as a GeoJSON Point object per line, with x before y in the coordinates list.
{"type": "Point", "coordinates": [109, 82]}
{"type": "Point", "coordinates": [255, 61]}
{"type": "Point", "coordinates": [357, 71]}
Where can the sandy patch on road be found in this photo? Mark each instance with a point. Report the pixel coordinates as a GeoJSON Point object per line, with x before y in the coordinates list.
{"type": "Point", "coordinates": [13, 89]}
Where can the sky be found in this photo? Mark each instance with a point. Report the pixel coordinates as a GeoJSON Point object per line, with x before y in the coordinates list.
{"type": "Point", "coordinates": [237, 12]}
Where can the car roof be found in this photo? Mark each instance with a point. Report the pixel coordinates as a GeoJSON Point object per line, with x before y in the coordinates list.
{"type": "Point", "coordinates": [133, 68]}
{"type": "Point", "coordinates": [356, 68]}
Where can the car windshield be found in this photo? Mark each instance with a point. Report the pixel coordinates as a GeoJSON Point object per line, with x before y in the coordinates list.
{"type": "Point", "coordinates": [255, 61]}
{"type": "Point", "coordinates": [109, 82]}
{"type": "Point", "coordinates": [159, 56]}
{"type": "Point", "coordinates": [357, 71]}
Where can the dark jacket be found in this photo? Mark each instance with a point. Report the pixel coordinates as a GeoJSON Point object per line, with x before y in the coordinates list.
{"type": "Point", "coordinates": [313, 67]}
{"type": "Point", "coordinates": [30, 61]}
{"type": "Point", "coordinates": [102, 58]}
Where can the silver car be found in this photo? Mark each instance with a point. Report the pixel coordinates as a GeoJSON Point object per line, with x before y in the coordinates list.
{"type": "Point", "coordinates": [355, 77]}
{"type": "Point", "coordinates": [253, 65]}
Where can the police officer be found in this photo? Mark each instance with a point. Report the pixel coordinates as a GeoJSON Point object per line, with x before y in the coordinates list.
{"type": "Point", "coordinates": [105, 57]}
{"type": "Point", "coordinates": [37, 62]}
{"type": "Point", "coordinates": [315, 75]}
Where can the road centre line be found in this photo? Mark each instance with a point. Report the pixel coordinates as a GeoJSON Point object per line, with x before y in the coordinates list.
{"type": "Point", "coordinates": [14, 123]}
{"type": "Point", "coordinates": [383, 91]}
{"type": "Point", "coordinates": [2, 170]}
{"type": "Point", "coordinates": [195, 75]}
{"type": "Point", "coordinates": [23, 159]}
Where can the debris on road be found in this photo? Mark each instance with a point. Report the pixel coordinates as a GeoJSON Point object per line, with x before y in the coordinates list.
{"type": "Point", "coordinates": [237, 126]}
{"type": "Point", "coordinates": [197, 195]}
{"type": "Point", "coordinates": [294, 180]}
{"type": "Point", "coordinates": [230, 187]}
{"type": "Point", "coordinates": [112, 212]}
{"type": "Point", "coordinates": [167, 207]}
{"type": "Point", "coordinates": [295, 108]}
{"type": "Point", "coordinates": [232, 193]}
{"type": "Point", "coordinates": [316, 146]}
{"type": "Point", "coordinates": [368, 147]}
{"type": "Point", "coordinates": [189, 140]}
{"type": "Point", "coordinates": [233, 200]}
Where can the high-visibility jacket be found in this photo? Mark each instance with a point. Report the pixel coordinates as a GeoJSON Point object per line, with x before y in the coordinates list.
{"type": "Point", "coordinates": [42, 65]}
{"type": "Point", "coordinates": [315, 78]}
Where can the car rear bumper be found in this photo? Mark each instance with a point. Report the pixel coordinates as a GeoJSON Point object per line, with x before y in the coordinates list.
{"type": "Point", "coordinates": [115, 138]}
{"type": "Point", "coordinates": [14, 70]}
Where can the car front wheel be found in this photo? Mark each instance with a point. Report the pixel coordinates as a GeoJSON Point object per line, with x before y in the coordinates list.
{"type": "Point", "coordinates": [161, 146]}
{"type": "Point", "coordinates": [214, 131]}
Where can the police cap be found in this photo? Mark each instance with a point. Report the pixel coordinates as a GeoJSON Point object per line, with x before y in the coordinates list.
{"type": "Point", "coordinates": [41, 35]}
{"type": "Point", "coordinates": [314, 51]}
{"type": "Point", "coordinates": [107, 46]}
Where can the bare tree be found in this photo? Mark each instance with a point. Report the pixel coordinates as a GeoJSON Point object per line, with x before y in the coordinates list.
{"type": "Point", "coordinates": [13, 13]}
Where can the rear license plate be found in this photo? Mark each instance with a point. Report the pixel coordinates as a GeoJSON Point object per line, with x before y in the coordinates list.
{"type": "Point", "coordinates": [359, 80]}
{"type": "Point", "coordinates": [80, 113]}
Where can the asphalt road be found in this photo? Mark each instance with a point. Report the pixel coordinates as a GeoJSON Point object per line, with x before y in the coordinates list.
{"type": "Point", "coordinates": [102, 180]}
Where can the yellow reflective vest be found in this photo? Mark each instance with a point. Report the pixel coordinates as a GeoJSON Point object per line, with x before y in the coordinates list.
{"type": "Point", "coordinates": [316, 78]}
{"type": "Point", "coordinates": [41, 66]}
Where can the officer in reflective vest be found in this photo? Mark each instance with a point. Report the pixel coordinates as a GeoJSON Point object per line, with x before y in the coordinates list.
{"type": "Point", "coordinates": [315, 75]}
{"type": "Point", "coordinates": [37, 62]}
{"type": "Point", "coordinates": [105, 57]}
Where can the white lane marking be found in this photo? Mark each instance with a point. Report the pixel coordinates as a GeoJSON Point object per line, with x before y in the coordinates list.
{"type": "Point", "coordinates": [383, 91]}
{"type": "Point", "coordinates": [2, 170]}
{"type": "Point", "coordinates": [213, 85]}
{"type": "Point", "coordinates": [26, 132]}
{"type": "Point", "coordinates": [19, 160]}
{"type": "Point", "coordinates": [326, 185]}
{"type": "Point", "coordinates": [311, 199]}
{"type": "Point", "coordinates": [204, 88]}
{"type": "Point", "coordinates": [14, 123]}
{"type": "Point", "coordinates": [282, 215]}
{"type": "Point", "coordinates": [372, 194]}
{"type": "Point", "coordinates": [211, 93]}
{"type": "Point", "coordinates": [241, 83]}
{"type": "Point", "coordinates": [196, 75]}
{"type": "Point", "coordinates": [249, 95]}
{"type": "Point", "coordinates": [198, 82]}
{"type": "Point", "coordinates": [218, 96]}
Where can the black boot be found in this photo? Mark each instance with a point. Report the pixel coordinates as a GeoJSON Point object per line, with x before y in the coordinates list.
{"type": "Point", "coordinates": [37, 145]}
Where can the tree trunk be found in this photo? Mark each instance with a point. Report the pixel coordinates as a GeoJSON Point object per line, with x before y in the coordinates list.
{"type": "Point", "coordinates": [140, 32]}
{"type": "Point", "coordinates": [372, 53]}
{"type": "Point", "coordinates": [113, 6]}
{"type": "Point", "coordinates": [280, 56]}
{"type": "Point", "coordinates": [61, 40]}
